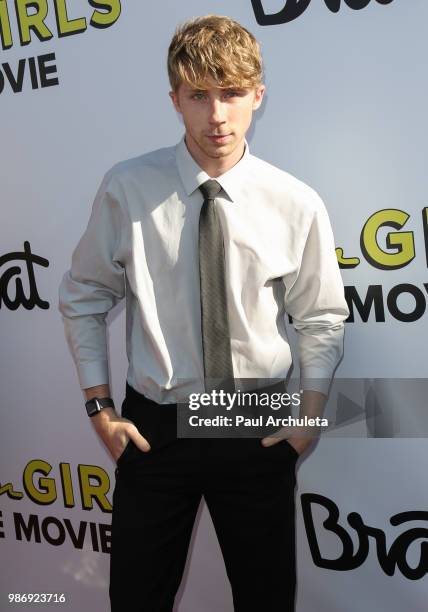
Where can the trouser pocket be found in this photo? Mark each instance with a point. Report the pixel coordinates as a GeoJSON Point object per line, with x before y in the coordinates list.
{"type": "Point", "coordinates": [126, 453]}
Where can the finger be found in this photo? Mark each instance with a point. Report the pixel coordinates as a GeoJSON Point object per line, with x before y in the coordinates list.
{"type": "Point", "coordinates": [141, 442]}
{"type": "Point", "coordinates": [276, 437]}
{"type": "Point", "coordinates": [145, 446]}
{"type": "Point", "coordinates": [270, 441]}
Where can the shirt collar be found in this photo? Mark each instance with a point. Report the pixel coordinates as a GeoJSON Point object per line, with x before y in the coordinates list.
{"type": "Point", "coordinates": [192, 175]}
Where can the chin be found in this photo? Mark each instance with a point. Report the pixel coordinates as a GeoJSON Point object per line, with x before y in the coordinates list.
{"type": "Point", "coordinates": [223, 150]}
{"type": "Point", "coordinates": [220, 153]}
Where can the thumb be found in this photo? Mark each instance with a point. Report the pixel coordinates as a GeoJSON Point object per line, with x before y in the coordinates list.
{"type": "Point", "coordinates": [270, 441]}
{"type": "Point", "coordinates": [139, 440]}
{"type": "Point", "coordinates": [279, 435]}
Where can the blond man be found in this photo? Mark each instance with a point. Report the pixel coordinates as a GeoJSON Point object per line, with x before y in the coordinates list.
{"type": "Point", "coordinates": [212, 247]}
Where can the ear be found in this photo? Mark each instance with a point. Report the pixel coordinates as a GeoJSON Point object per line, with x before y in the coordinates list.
{"type": "Point", "coordinates": [258, 96]}
{"type": "Point", "coordinates": [174, 97]}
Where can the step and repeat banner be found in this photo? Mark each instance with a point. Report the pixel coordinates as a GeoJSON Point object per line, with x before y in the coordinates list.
{"type": "Point", "coordinates": [83, 85]}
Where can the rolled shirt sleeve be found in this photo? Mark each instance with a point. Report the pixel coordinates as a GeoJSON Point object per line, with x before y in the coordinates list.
{"type": "Point", "coordinates": [315, 299]}
{"type": "Point", "coordinates": [94, 284]}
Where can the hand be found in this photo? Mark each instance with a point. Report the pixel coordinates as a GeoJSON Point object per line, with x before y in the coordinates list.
{"type": "Point", "coordinates": [300, 437]}
{"type": "Point", "coordinates": [115, 432]}
{"type": "Point", "coordinates": [299, 443]}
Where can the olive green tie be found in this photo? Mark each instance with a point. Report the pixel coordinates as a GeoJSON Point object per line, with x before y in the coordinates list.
{"type": "Point", "coordinates": [218, 368]}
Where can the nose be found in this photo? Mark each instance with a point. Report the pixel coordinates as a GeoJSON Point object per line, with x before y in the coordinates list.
{"type": "Point", "coordinates": [216, 112]}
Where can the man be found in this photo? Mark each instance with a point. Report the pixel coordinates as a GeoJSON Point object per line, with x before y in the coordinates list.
{"type": "Point", "coordinates": [212, 247]}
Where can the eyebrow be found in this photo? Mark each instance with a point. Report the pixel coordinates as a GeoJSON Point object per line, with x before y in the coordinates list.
{"type": "Point", "coordinates": [197, 90]}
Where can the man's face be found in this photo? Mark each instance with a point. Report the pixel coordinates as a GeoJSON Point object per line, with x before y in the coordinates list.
{"type": "Point", "coordinates": [216, 120]}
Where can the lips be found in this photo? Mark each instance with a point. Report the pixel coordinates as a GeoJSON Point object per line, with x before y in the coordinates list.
{"type": "Point", "coordinates": [219, 138]}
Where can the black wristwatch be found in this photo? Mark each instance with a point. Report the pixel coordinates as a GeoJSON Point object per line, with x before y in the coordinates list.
{"type": "Point", "coordinates": [96, 404]}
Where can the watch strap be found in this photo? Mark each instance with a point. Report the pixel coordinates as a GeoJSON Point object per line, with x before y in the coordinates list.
{"type": "Point", "coordinates": [96, 404]}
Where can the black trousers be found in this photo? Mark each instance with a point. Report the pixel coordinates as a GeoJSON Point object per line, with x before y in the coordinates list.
{"type": "Point", "coordinates": [249, 492]}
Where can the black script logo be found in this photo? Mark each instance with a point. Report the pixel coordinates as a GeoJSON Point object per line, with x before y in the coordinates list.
{"type": "Point", "coordinates": [351, 559]}
{"type": "Point", "coordinates": [294, 8]}
{"type": "Point", "coordinates": [6, 276]}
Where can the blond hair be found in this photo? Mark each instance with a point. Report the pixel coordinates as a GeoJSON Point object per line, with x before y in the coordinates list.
{"type": "Point", "coordinates": [214, 48]}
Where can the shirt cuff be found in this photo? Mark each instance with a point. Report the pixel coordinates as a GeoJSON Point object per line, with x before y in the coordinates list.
{"type": "Point", "coordinates": [92, 374]}
{"type": "Point", "coordinates": [315, 379]}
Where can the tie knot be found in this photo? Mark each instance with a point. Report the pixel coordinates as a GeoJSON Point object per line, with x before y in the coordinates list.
{"type": "Point", "coordinates": [210, 189]}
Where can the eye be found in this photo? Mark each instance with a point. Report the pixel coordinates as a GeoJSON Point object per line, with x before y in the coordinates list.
{"type": "Point", "coordinates": [199, 95]}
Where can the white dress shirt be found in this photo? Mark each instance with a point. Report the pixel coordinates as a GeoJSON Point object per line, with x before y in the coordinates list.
{"type": "Point", "coordinates": [142, 242]}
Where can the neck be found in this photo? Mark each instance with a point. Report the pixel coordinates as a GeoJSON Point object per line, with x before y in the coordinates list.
{"type": "Point", "coordinates": [214, 166]}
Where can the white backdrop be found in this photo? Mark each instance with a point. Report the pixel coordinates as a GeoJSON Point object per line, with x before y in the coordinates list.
{"type": "Point", "coordinates": [345, 111]}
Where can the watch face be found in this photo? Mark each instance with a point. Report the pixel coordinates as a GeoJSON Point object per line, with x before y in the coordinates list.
{"type": "Point", "coordinates": [92, 407]}
{"type": "Point", "coordinates": [96, 404]}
